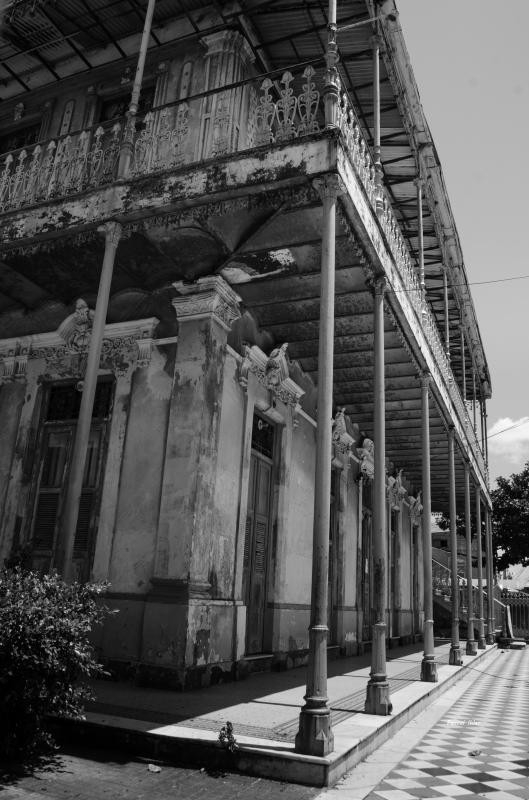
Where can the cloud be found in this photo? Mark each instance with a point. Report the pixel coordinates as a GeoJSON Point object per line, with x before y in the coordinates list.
{"type": "Point", "coordinates": [509, 439]}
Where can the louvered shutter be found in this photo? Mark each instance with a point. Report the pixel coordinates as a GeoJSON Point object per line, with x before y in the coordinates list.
{"type": "Point", "coordinates": [45, 520]}
{"type": "Point", "coordinates": [259, 564]}
{"type": "Point", "coordinates": [83, 530]}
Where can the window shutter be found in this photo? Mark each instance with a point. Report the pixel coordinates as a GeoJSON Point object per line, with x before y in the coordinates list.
{"type": "Point", "coordinates": [45, 520]}
{"type": "Point", "coordinates": [82, 532]}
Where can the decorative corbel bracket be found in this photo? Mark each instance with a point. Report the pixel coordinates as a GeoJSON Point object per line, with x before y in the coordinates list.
{"type": "Point", "coordinates": [416, 509]}
{"type": "Point", "coordinates": [342, 441]}
{"type": "Point", "coordinates": [367, 458]}
{"type": "Point", "coordinates": [272, 372]}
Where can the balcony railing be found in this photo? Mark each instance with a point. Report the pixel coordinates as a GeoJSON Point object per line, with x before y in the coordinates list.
{"type": "Point", "coordinates": [207, 125]}
{"type": "Point", "coordinates": [232, 119]}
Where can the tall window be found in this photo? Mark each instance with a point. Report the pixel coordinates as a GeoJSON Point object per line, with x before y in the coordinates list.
{"type": "Point", "coordinates": [54, 464]}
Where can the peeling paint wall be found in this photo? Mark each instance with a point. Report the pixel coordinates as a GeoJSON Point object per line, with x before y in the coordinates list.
{"type": "Point", "coordinates": [291, 597]}
{"type": "Point", "coordinates": [134, 538]}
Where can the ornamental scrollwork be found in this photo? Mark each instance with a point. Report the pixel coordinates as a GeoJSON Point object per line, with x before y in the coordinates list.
{"type": "Point", "coordinates": [367, 458]}
{"type": "Point", "coordinates": [272, 372]}
{"type": "Point", "coordinates": [342, 441]}
{"type": "Point", "coordinates": [65, 351]}
{"type": "Point", "coordinates": [415, 509]}
{"type": "Point", "coordinates": [395, 491]}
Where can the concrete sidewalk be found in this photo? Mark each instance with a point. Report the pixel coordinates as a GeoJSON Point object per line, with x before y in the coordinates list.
{"type": "Point", "coordinates": [264, 711]}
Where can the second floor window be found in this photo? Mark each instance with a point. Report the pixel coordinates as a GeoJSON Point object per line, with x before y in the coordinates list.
{"type": "Point", "coordinates": [21, 137]}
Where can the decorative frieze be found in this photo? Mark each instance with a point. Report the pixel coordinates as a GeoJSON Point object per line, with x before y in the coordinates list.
{"type": "Point", "coordinates": [64, 351]}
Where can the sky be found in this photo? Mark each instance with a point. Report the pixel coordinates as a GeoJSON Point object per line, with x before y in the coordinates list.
{"type": "Point", "coordinates": [471, 64]}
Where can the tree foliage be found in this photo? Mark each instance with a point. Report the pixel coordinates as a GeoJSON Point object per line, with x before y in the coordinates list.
{"type": "Point", "coordinates": [510, 517]}
{"type": "Point", "coordinates": [44, 651]}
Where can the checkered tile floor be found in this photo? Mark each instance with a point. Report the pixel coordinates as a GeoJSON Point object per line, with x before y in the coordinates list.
{"type": "Point", "coordinates": [480, 748]}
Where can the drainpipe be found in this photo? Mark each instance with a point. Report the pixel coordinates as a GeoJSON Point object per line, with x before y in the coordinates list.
{"type": "Point", "coordinates": [127, 145]}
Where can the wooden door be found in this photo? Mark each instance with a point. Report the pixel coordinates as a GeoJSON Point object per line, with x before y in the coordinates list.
{"type": "Point", "coordinates": [333, 570]}
{"type": "Point", "coordinates": [414, 579]}
{"type": "Point", "coordinates": [256, 550]}
{"type": "Point", "coordinates": [54, 464]}
{"type": "Point", "coordinates": [367, 580]}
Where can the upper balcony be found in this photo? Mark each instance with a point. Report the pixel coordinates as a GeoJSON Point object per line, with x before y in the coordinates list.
{"type": "Point", "coordinates": [247, 134]}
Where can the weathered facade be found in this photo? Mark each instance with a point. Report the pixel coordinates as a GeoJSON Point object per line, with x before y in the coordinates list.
{"type": "Point", "coordinates": [289, 367]}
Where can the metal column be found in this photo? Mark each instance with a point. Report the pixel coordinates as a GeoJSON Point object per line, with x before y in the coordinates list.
{"type": "Point", "coordinates": [377, 697]}
{"type": "Point", "coordinates": [455, 649]}
{"type": "Point", "coordinates": [428, 665]}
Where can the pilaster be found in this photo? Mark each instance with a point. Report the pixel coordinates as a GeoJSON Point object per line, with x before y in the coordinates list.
{"type": "Point", "coordinates": [205, 311]}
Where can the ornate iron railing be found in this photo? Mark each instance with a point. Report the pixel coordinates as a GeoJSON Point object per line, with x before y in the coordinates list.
{"type": "Point", "coordinates": [208, 125]}
{"type": "Point", "coordinates": [204, 126]}
{"type": "Point", "coordinates": [518, 604]}
{"type": "Point", "coordinates": [365, 169]}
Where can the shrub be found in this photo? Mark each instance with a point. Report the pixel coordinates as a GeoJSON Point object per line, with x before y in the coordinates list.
{"type": "Point", "coordinates": [44, 651]}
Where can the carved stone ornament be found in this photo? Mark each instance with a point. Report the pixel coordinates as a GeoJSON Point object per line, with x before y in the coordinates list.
{"type": "Point", "coordinates": [367, 456]}
{"type": "Point", "coordinates": [272, 372]}
{"type": "Point", "coordinates": [208, 297]}
{"type": "Point", "coordinates": [342, 441]}
{"type": "Point", "coordinates": [65, 351]}
{"type": "Point", "coordinates": [13, 364]}
{"type": "Point", "coordinates": [77, 328]}
{"type": "Point", "coordinates": [416, 509]}
{"type": "Point", "coordinates": [395, 491]}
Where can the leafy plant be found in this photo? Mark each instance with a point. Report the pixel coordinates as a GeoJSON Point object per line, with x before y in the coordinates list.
{"type": "Point", "coordinates": [44, 650]}
{"type": "Point", "coordinates": [510, 518]}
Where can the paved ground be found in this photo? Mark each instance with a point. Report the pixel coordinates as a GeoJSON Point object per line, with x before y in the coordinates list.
{"type": "Point", "coordinates": [473, 742]}
{"type": "Point", "coordinates": [103, 775]}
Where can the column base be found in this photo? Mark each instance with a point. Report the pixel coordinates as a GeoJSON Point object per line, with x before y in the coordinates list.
{"type": "Point", "coordinates": [481, 643]}
{"type": "Point", "coordinates": [315, 736]}
{"type": "Point", "coordinates": [377, 699]}
{"type": "Point", "coordinates": [454, 658]}
{"type": "Point", "coordinates": [429, 670]}
{"type": "Point", "coordinates": [472, 648]}
{"type": "Point", "coordinates": [490, 638]}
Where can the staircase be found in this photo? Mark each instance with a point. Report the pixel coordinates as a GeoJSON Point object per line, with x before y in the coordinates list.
{"type": "Point", "coordinates": [442, 602]}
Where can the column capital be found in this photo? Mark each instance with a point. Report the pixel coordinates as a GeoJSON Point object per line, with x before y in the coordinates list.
{"type": "Point", "coordinates": [329, 186]}
{"type": "Point", "coordinates": [378, 285]}
{"type": "Point", "coordinates": [425, 378]}
{"type": "Point", "coordinates": [112, 231]}
{"type": "Point", "coordinates": [419, 182]}
{"type": "Point", "coordinates": [208, 297]}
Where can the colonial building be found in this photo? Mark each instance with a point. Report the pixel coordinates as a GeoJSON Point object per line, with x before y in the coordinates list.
{"type": "Point", "coordinates": [240, 363]}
